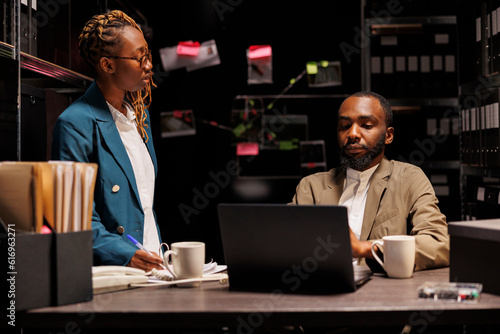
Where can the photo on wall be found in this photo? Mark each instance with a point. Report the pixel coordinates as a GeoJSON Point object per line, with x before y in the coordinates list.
{"type": "Point", "coordinates": [177, 123]}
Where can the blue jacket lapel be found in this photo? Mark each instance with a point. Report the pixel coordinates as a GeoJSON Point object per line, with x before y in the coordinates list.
{"type": "Point", "coordinates": [111, 136]}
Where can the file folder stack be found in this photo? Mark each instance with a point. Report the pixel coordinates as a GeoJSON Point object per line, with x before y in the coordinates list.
{"type": "Point", "coordinates": [57, 193]}
{"type": "Point", "coordinates": [60, 195]}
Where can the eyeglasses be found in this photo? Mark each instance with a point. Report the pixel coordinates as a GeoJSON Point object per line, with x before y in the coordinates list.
{"type": "Point", "coordinates": [142, 60]}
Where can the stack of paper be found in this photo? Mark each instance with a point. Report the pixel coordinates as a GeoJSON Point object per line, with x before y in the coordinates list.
{"type": "Point", "coordinates": [59, 193]}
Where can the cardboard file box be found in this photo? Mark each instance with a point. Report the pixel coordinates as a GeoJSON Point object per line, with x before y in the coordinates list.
{"type": "Point", "coordinates": [474, 250]}
{"type": "Point", "coordinates": [50, 269]}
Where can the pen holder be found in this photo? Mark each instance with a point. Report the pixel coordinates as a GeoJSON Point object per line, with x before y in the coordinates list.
{"type": "Point", "coordinates": [72, 267]}
{"type": "Point", "coordinates": [48, 269]}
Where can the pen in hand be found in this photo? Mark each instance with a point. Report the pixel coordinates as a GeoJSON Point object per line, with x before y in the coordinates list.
{"type": "Point", "coordinates": [140, 246]}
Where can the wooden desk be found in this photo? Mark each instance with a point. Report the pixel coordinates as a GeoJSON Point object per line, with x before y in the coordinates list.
{"type": "Point", "coordinates": [379, 302]}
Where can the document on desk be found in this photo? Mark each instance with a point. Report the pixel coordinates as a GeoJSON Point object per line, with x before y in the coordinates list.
{"type": "Point", "coordinates": [161, 276]}
{"type": "Point", "coordinates": [115, 278]}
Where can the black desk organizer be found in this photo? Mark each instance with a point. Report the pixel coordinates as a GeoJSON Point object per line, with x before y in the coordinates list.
{"type": "Point", "coordinates": [474, 250]}
{"type": "Point", "coordinates": [50, 269]}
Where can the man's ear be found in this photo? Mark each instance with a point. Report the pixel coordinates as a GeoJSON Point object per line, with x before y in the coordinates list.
{"type": "Point", "coordinates": [107, 65]}
{"type": "Point", "coordinates": [389, 135]}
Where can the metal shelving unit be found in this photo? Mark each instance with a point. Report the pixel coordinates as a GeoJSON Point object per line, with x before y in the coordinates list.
{"type": "Point", "coordinates": [46, 74]}
{"type": "Point", "coordinates": [376, 27]}
{"type": "Point", "coordinates": [387, 38]}
{"type": "Point", "coordinates": [31, 71]}
{"type": "Point", "coordinates": [480, 82]}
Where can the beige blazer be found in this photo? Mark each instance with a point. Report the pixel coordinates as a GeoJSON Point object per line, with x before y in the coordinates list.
{"type": "Point", "coordinates": [400, 200]}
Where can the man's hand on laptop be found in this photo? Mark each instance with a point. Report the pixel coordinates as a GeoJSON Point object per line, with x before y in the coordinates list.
{"type": "Point", "coordinates": [360, 248]}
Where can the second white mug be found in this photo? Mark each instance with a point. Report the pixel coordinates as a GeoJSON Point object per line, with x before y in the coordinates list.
{"type": "Point", "coordinates": [399, 255]}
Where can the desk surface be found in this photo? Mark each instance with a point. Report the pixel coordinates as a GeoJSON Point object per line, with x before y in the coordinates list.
{"type": "Point", "coordinates": [380, 301]}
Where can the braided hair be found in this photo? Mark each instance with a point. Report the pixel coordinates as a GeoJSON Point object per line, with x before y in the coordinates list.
{"type": "Point", "coordinates": [99, 37]}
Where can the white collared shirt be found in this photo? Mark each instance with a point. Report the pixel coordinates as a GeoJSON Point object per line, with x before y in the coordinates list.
{"type": "Point", "coordinates": [354, 195]}
{"type": "Point", "coordinates": [144, 172]}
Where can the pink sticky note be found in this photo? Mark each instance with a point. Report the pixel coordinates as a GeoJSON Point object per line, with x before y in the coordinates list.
{"type": "Point", "coordinates": [188, 48]}
{"type": "Point", "coordinates": [45, 230]}
{"type": "Point", "coordinates": [247, 149]}
{"type": "Point", "coordinates": [178, 114]}
{"type": "Point", "coordinates": [259, 51]}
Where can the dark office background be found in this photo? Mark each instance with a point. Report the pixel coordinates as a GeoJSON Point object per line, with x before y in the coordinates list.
{"type": "Point", "coordinates": [298, 32]}
{"type": "Point", "coordinates": [193, 170]}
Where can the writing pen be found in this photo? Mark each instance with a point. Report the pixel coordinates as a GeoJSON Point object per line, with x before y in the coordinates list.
{"type": "Point", "coordinates": [138, 244]}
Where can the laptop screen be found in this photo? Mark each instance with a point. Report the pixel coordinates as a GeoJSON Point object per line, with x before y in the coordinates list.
{"type": "Point", "coordinates": [287, 248]}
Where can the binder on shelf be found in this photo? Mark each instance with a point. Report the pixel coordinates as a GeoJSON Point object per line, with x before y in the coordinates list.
{"type": "Point", "coordinates": [400, 69]}
{"type": "Point", "coordinates": [389, 48]}
{"type": "Point", "coordinates": [495, 38]}
{"type": "Point", "coordinates": [492, 130]}
{"type": "Point", "coordinates": [376, 75]}
{"type": "Point", "coordinates": [425, 75]}
{"type": "Point", "coordinates": [465, 136]}
{"type": "Point", "coordinates": [413, 46]}
{"type": "Point", "coordinates": [479, 145]}
{"type": "Point", "coordinates": [481, 131]}
{"type": "Point", "coordinates": [413, 75]}
{"type": "Point", "coordinates": [478, 46]}
{"type": "Point", "coordinates": [495, 148]}
{"type": "Point", "coordinates": [389, 81]}
{"type": "Point", "coordinates": [482, 136]}
{"type": "Point", "coordinates": [472, 135]}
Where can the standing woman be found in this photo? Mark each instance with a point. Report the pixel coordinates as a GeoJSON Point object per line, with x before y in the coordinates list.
{"type": "Point", "coordinates": [110, 125]}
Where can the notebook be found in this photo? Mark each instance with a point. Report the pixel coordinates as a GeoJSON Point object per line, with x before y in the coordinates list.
{"type": "Point", "coordinates": [288, 248]}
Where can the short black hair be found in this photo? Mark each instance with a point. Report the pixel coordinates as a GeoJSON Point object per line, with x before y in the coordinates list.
{"type": "Point", "coordinates": [383, 103]}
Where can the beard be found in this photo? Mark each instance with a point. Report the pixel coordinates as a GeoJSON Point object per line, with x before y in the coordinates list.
{"type": "Point", "coordinates": [362, 162]}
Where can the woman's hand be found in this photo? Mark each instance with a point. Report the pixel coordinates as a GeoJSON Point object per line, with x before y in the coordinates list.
{"type": "Point", "coordinates": [145, 261]}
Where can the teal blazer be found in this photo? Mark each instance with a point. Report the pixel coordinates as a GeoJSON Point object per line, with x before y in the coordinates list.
{"type": "Point", "coordinates": [86, 132]}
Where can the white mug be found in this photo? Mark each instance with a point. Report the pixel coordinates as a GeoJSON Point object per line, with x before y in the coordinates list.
{"type": "Point", "coordinates": [188, 258]}
{"type": "Point", "coordinates": [399, 255]}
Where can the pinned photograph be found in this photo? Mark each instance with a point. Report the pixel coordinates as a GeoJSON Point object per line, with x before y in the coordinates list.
{"type": "Point", "coordinates": [260, 69]}
{"type": "Point", "coordinates": [190, 55]}
{"type": "Point", "coordinates": [324, 73]}
{"type": "Point", "coordinates": [177, 123]}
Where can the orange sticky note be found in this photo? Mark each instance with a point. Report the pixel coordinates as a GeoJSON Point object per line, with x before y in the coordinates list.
{"type": "Point", "coordinates": [247, 149]}
{"type": "Point", "coordinates": [259, 51]}
{"type": "Point", "coordinates": [188, 48]}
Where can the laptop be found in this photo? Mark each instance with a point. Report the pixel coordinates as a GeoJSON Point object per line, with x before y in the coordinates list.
{"type": "Point", "coordinates": [289, 248]}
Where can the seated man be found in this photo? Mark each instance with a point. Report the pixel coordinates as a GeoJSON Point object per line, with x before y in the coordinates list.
{"type": "Point", "coordinates": [382, 197]}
